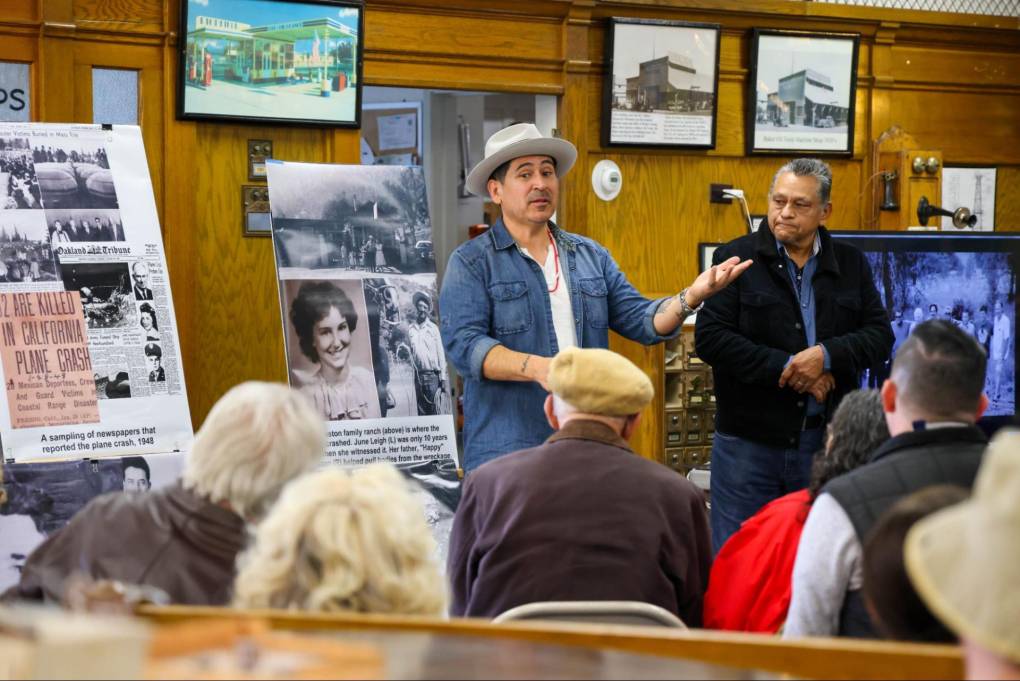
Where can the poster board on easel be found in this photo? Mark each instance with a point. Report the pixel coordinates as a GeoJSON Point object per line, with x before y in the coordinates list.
{"type": "Point", "coordinates": [391, 133]}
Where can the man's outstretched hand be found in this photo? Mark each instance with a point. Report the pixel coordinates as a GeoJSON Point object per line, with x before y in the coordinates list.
{"type": "Point", "coordinates": [715, 279]}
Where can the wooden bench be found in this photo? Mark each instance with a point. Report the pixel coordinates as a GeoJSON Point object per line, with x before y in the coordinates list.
{"type": "Point", "coordinates": [820, 658]}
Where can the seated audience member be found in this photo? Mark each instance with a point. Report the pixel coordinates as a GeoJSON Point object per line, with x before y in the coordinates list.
{"type": "Point", "coordinates": [582, 516]}
{"type": "Point", "coordinates": [340, 540]}
{"type": "Point", "coordinates": [185, 537]}
{"type": "Point", "coordinates": [895, 608]}
{"type": "Point", "coordinates": [931, 401]}
{"type": "Point", "coordinates": [749, 587]}
{"type": "Point", "coordinates": [964, 562]}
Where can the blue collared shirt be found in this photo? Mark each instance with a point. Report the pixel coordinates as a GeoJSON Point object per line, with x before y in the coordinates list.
{"type": "Point", "coordinates": [802, 279]}
{"type": "Point", "coordinates": [493, 294]}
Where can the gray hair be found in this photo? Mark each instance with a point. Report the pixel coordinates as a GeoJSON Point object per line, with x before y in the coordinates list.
{"type": "Point", "coordinates": [257, 437]}
{"type": "Point", "coordinates": [857, 429]}
{"type": "Point", "coordinates": [809, 167]}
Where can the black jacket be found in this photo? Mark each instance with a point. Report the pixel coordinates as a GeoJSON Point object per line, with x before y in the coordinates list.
{"type": "Point", "coordinates": [749, 330]}
{"type": "Point", "coordinates": [904, 464]}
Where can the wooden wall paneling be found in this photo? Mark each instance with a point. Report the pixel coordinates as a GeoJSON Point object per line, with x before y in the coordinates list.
{"type": "Point", "coordinates": [56, 73]}
{"type": "Point", "coordinates": [970, 127]}
{"type": "Point", "coordinates": [120, 14]}
{"type": "Point", "coordinates": [1007, 199]}
{"type": "Point", "coordinates": [19, 11]}
{"type": "Point", "coordinates": [147, 61]}
{"type": "Point", "coordinates": [648, 437]}
{"type": "Point", "coordinates": [472, 50]}
{"type": "Point", "coordinates": [236, 328]}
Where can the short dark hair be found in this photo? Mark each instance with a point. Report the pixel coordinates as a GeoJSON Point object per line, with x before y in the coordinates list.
{"type": "Point", "coordinates": [499, 174]}
{"type": "Point", "coordinates": [935, 306]}
{"type": "Point", "coordinates": [135, 462]}
{"type": "Point", "coordinates": [897, 610]}
{"type": "Point", "coordinates": [857, 429]}
{"type": "Point", "coordinates": [940, 369]}
{"type": "Point", "coordinates": [311, 304]}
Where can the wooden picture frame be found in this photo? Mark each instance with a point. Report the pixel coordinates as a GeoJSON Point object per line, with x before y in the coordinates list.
{"type": "Point", "coordinates": [801, 94]}
{"type": "Point", "coordinates": [661, 85]}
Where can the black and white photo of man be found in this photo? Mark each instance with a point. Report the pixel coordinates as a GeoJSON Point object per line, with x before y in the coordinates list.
{"type": "Point", "coordinates": [427, 353]}
{"type": "Point", "coordinates": [154, 357]}
{"type": "Point", "coordinates": [140, 276]}
{"type": "Point", "coordinates": [137, 477]}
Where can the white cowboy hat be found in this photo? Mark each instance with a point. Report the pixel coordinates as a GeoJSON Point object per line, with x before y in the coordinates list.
{"type": "Point", "coordinates": [515, 141]}
{"type": "Point", "coordinates": [964, 561]}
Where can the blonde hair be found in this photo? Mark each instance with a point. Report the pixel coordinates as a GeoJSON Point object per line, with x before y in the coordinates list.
{"type": "Point", "coordinates": [256, 438]}
{"type": "Point", "coordinates": [338, 540]}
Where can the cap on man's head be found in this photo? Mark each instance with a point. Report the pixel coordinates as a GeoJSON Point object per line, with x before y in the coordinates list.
{"type": "Point", "coordinates": [421, 297]}
{"type": "Point", "coordinates": [597, 381]}
{"type": "Point", "coordinates": [515, 141]}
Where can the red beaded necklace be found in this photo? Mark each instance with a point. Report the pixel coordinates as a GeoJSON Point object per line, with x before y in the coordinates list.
{"type": "Point", "coordinates": [556, 262]}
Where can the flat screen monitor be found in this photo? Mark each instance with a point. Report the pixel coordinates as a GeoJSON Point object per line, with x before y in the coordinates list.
{"type": "Point", "coordinates": [967, 279]}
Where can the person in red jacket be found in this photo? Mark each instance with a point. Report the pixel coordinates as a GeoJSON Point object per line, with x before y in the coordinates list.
{"type": "Point", "coordinates": [749, 585]}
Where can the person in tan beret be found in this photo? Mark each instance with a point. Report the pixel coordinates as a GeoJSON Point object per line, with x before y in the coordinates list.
{"type": "Point", "coordinates": [582, 516]}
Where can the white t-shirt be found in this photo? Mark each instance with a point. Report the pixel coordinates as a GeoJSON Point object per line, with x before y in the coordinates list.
{"type": "Point", "coordinates": [559, 299]}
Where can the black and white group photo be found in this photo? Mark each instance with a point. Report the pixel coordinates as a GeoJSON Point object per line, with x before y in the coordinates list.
{"type": "Point", "coordinates": [371, 219]}
{"type": "Point", "coordinates": [410, 364]}
{"type": "Point", "coordinates": [329, 349]}
{"type": "Point", "coordinates": [19, 188]}
{"type": "Point", "coordinates": [26, 254]}
{"type": "Point", "coordinates": [73, 174]}
{"type": "Point", "coordinates": [42, 497]}
{"type": "Point", "coordinates": [974, 291]}
{"type": "Point", "coordinates": [96, 224]}
{"type": "Point", "coordinates": [105, 292]}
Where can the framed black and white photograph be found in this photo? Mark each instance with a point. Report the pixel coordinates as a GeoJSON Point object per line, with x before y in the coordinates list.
{"type": "Point", "coordinates": [329, 347]}
{"type": "Point", "coordinates": [661, 83]}
{"type": "Point", "coordinates": [410, 365]}
{"type": "Point", "coordinates": [972, 188]}
{"type": "Point", "coordinates": [705, 252]}
{"type": "Point", "coordinates": [344, 219]}
{"type": "Point", "coordinates": [271, 61]}
{"type": "Point", "coordinates": [801, 92]}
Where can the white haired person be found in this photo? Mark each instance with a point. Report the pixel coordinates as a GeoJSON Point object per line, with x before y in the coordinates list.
{"type": "Point", "coordinates": [340, 540]}
{"type": "Point", "coordinates": [184, 538]}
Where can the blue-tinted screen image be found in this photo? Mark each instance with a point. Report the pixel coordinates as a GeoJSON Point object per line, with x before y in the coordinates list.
{"type": "Point", "coordinates": [969, 280]}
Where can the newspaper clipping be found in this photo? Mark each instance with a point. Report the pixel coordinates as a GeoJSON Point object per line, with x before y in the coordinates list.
{"type": "Point", "coordinates": [358, 295]}
{"type": "Point", "coordinates": [88, 336]}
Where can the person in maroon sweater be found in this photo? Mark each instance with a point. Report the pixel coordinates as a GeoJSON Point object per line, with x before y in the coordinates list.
{"type": "Point", "coordinates": [582, 516]}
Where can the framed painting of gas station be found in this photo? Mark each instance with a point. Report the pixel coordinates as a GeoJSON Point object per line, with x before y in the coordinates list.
{"type": "Point", "coordinates": [271, 61]}
{"type": "Point", "coordinates": [801, 92]}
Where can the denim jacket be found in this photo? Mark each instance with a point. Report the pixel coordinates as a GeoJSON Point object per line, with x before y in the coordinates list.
{"type": "Point", "coordinates": [493, 294]}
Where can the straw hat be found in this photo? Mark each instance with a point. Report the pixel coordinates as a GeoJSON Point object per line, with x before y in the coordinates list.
{"type": "Point", "coordinates": [597, 381]}
{"type": "Point", "coordinates": [964, 561]}
{"type": "Point", "coordinates": [515, 141]}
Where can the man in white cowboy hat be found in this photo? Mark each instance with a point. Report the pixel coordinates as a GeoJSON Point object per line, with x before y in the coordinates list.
{"type": "Point", "coordinates": [427, 353]}
{"type": "Point", "coordinates": [513, 297]}
{"type": "Point", "coordinates": [964, 562]}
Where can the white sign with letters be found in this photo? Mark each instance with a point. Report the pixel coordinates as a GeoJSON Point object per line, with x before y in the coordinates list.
{"type": "Point", "coordinates": [14, 99]}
